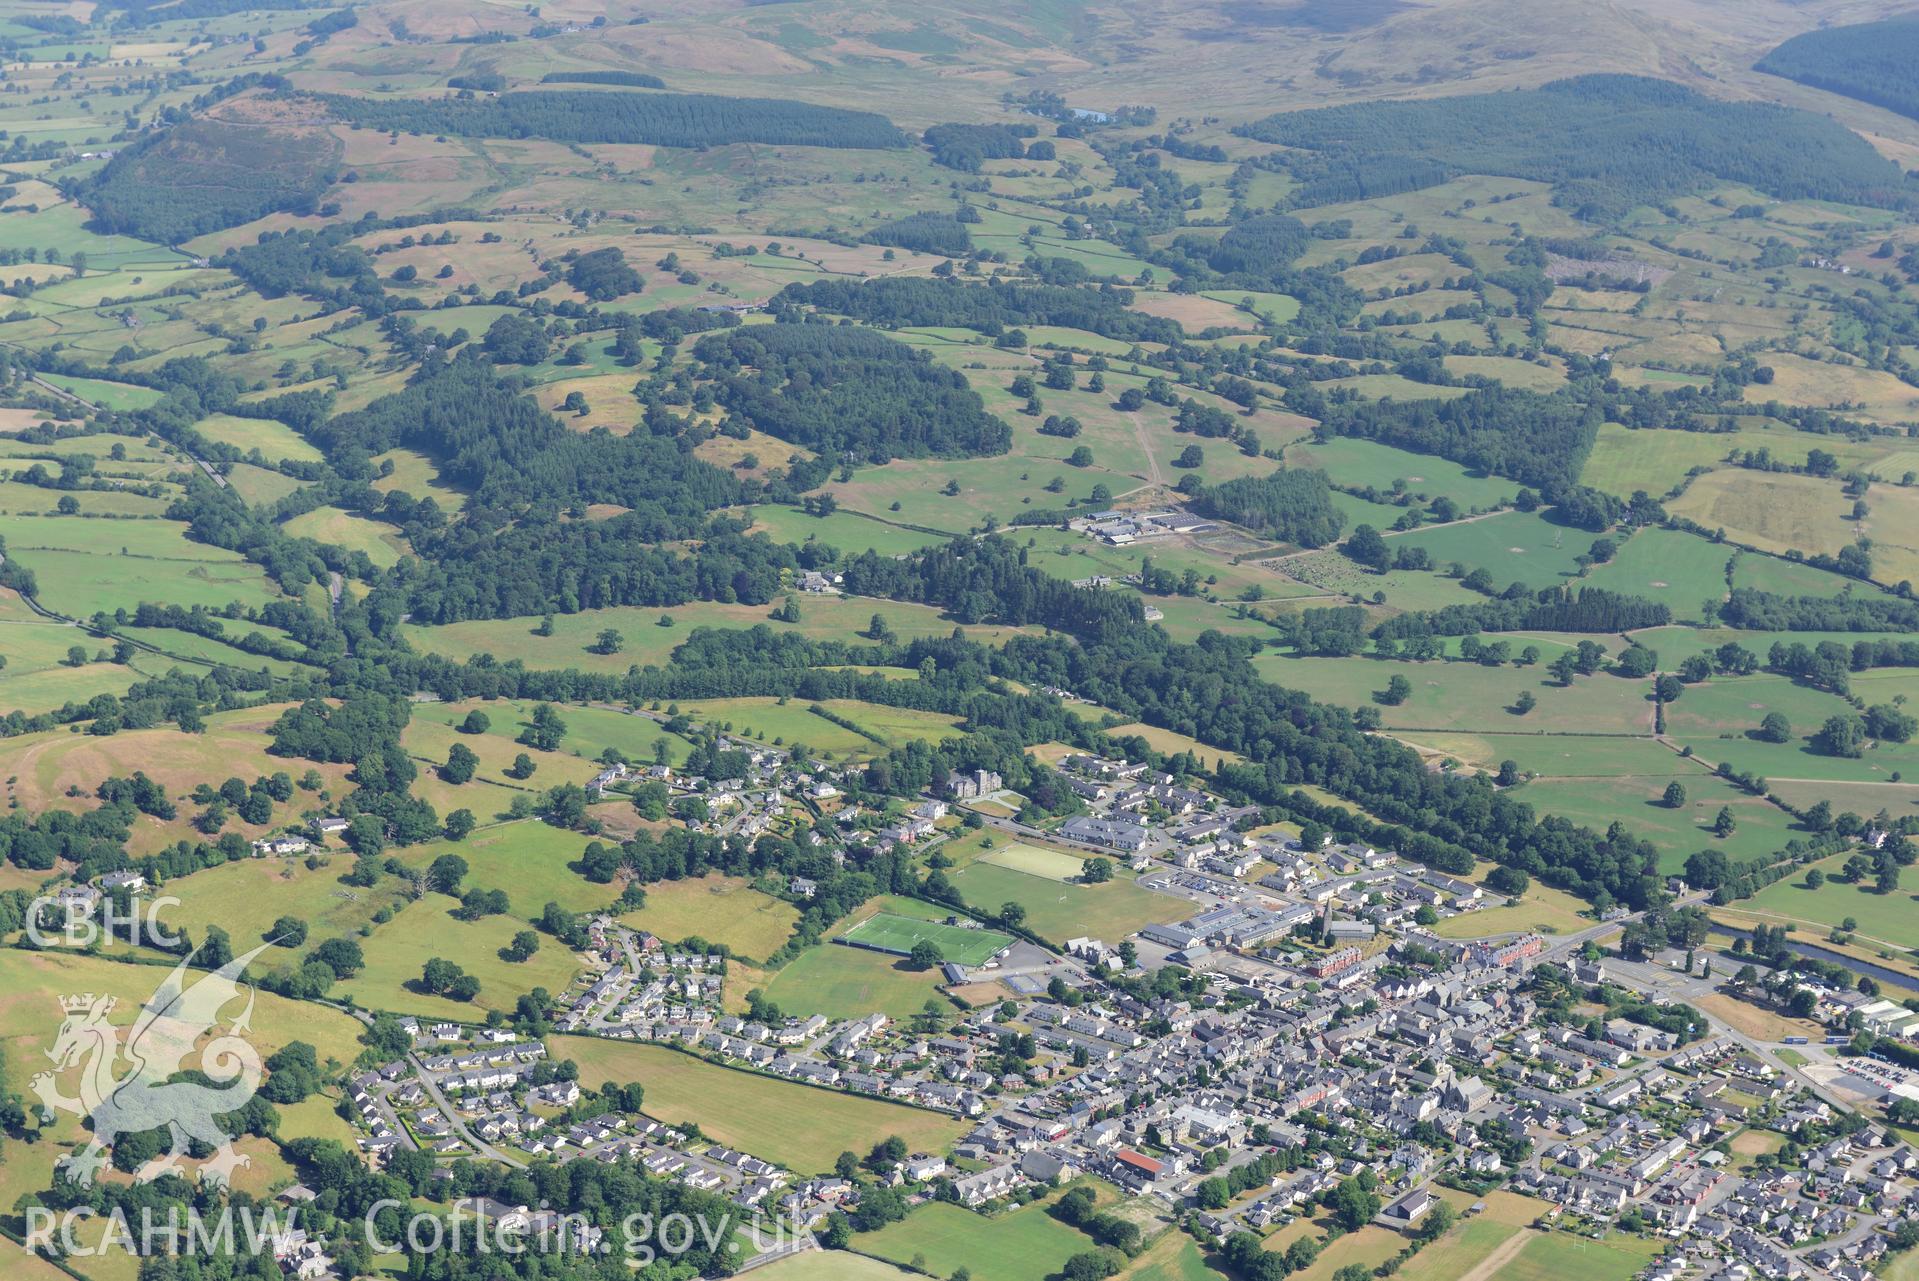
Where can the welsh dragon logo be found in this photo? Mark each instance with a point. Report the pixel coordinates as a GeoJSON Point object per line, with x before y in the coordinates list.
{"type": "Point", "coordinates": [155, 1090]}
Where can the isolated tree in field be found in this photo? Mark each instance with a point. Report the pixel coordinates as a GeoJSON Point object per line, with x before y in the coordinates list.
{"type": "Point", "coordinates": [1368, 547]}
{"type": "Point", "coordinates": [288, 931]}
{"type": "Point", "coordinates": [1815, 878]}
{"type": "Point", "coordinates": [524, 945]}
{"type": "Point", "coordinates": [1398, 690]}
{"type": "Point", "coordinates": [1723, 824]}
{"type": "Point", "coordinates": [926, 955]}
{"type": "Point", "coordinates": [460, 764]}
{"type": "Point", "coordinates": [608, 641]}
{"type": "Point", "coordinates": [476, 722]}
{"type": "Point", "coordinates": [438, 975]}
{"type": "Point", "coordinates": [446, 872]}
{"type": "Point", "coordinates": [1525, 702]}
{"type": "Point", "coordinates": [1190, 457]}
{"type": "Point", "coordinates": [459, 825]}
{"type": "Point", "coordinates": [1775, 728]}
{"type": "Point", "coordinates": [1097, 871]}
{"type": "Point", "coordinates": [1563, 667]}
{"type": "Point", "coordinates": [1842, 735]}
{"type": "Point", "coordinates": [1675, 797]}
{"type": "Point", "coordinates": [546, 730]}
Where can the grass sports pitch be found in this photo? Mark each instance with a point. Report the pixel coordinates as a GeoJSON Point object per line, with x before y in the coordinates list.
{"type": "Point", "coordinates": [898, 934]}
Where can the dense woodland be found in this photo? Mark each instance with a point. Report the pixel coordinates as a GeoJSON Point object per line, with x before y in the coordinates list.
{"type": "Point", "coordinates": [694, 120]}
{"type": "Point", "coordinates": [205, 175]}
{"type": "Point", "coordinates": [492, 438]}
{"type": "Point", "coordinates": [1532, 438]}
{"type": "Point", "coordinates": [1291, 505]}
{"type": "Point", "coordinates": [846, 392]}
{"type": "Point", "coordinates": [1875, 62]}
{"type": "Point", "coordinates": [1607, 143]}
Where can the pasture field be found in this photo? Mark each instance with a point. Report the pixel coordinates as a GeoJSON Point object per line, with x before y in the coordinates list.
{"type": "Point", "coordinates": [1542, 909]}
{"type": "Point", "coordinates": [797, 1126]}
{"type": "Point", "coordinates": [1883, 919]}
{"type": "Point", "coordinates": [1174, 1257]}
{"type": "Point", "coordinates": [1683, 570]}
{"type": "Point", "coordinates": [1057, 911]}
{"type": "Point", "coordinates": [414, 473]}
{"type": "Point", "coordinates": [645, 640]}
{"type": "Point", "coordinates": [1469, 697]}
{"type": "Point", "coordinates": [848, 983]}
{"type": "Point", "coordinates": [84, 565]}
{"type": "Point", "coordinates": [1762, 828]}
{"type": "Point", "coordinates": [832, 1265]}
{"type": "Point", "coordinates": [1553, 1256]}
{"type": "Point", "coordinates": [1787, 578]}
{"type": "Point", "coordinates": [1550, 755]}
{"type": "Point", "coordinates": [107, 395]}
{"type": "Point", "coordinates": [1368, 464]}
{"type": "Point", "coordinates": [197, 650]}
{"type": "Point", "coordinates": [589, 732]}
{"type": "Point", "coordinates": [849, 531]}
{"type": "Point", "coordinates": [257, 486]}
{"type": "Point", "coordinates": [426, 928]}
{"type": "Point", "coordinates": [247, 897]}
{"type": "Point", "coordinates": [490, 791]}
{"type": "Point", "coordinates": [530, 860]}
{"type": "Point", "coordinates": [1737, 704]}
{"type": "Point", "coordinates": [1513, 546]}
{"type": "Point", "coordinates": [1773, 511]}
{"type": "Point", "coordinates": [30, 1017]}
{"type": "Point", "coordinates": [382, 544]}
{"type": "Point", "coordinates": [1026, 1245]}
{"type": "Point", "coordinates": [900, 934]}
{"type": "Point", "coordinates": [772, 720]}
{"type": "Point", "coordinates": [274, 439]}
{"type": "Point", "coordinates": [1797, 762]}
{"type": "Point", "coordinates": [719, 909]}
{"type": "Point", "coordinates": [43, 769]}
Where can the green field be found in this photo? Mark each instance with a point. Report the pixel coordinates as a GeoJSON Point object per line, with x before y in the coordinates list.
{"type": "Point", "coordinates": [645, 640]}
{"type": "Point", "coordinates": [1683, 570]}
{"type": "Point", "coordinates": [527, 859]}
{"type": "Point", "coordinates": [900, 934]}
{"type": "Point", "coordinates": [1884, 919]}
{"type": "Point", "coordinates": [84, 565]}
{"type": "Point", "coordinates": [849, 983]}
{"type": "Point", "coordinates": [272, 438]}
{"type": "Point", "coordinates": [1472, 697]}
{"type": "Point", "coordinates": [1762, 828]}
{"type": "Point", "coordinates": [1026, 1245]}
{"type": "Point", "coordinates": [832, 1265]}
{"type": "Point", "coordinates": [397, 952]}
{"type": "Point", "coordinates": [798, 1126]}
{"type": "Point", "coordinates": [719, 909]}
{"type": "Point", "coordinates": [1556, 1255]}
{"type": "Point", "coordinates": [1512, 546]}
